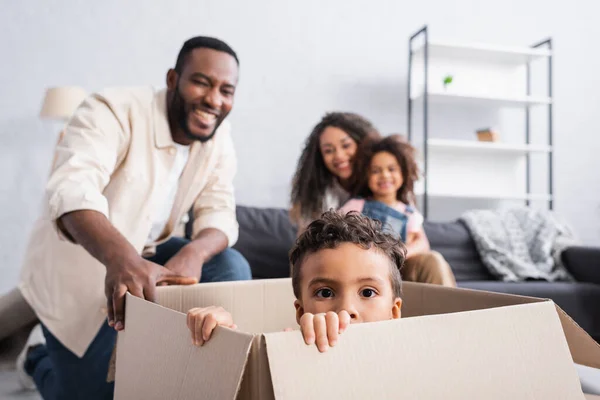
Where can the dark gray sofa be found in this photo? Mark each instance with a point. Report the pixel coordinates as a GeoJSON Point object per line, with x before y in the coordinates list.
{"type": "Point", "coordinates": [266, 236]}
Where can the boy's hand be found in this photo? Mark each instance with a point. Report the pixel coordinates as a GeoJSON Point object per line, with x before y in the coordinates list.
{"type": "Point", "coordinates": [203, 321]}
{"type": "Point", "coordinates": [323, 329]}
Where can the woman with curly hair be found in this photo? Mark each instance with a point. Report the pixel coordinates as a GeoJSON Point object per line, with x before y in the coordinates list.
{"type": "Point", "coordinates": [387, 172]}
{"type": "Point", "coordinates": [324, 175]}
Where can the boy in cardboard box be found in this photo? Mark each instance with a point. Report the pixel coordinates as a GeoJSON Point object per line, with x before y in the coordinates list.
{"type": "Point", "coordinates": [345, 269]}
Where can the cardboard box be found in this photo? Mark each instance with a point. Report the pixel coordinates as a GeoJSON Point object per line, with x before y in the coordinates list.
{"type": "Point", "coordinates": [487, 135]}
{"type": "Point", "coordinates": [449, 344]}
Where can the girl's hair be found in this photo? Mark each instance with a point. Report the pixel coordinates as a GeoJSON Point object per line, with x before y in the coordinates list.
{"type": "Point", "coordinates": [404, 153]}
{"type": "Point", "coordinates": [312, 178]}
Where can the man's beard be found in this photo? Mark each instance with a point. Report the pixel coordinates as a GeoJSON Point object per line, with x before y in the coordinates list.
{"type": "Point", "coordinates": [180, 105]}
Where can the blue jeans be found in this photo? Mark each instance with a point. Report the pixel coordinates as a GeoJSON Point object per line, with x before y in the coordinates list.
{"type": "Point", "coordinates": [60, 374]}
{"type": "Point", "coordinates": [392, 220]}
{"type": "Point", "coordinates": [228, 265]}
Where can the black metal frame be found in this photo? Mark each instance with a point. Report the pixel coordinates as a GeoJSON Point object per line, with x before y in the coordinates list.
{"type": "Point", "coordinates": [548, 44]}
{"type": "Point", "coordinates": [424, 32]}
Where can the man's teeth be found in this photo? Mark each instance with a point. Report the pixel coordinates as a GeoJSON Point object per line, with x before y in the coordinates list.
{"type": "Point", "coordinates": [205, 115]}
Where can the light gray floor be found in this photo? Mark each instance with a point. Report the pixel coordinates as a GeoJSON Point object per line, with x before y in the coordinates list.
{"type": "Point", "coordinates": [590, 379]}
{"type": "Point", "coordinates": [10, 389]}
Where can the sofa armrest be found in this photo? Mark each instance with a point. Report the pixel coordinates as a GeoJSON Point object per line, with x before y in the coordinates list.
{"type": "Point", "coordinates": [583, 263]}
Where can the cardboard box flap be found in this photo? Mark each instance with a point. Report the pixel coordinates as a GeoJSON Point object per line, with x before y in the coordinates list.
{"type": "Point", "coordinates": [584, 349]}
{"type": "Point", "coordinates": [421, 299]}
{"type": "Point", "coordinates": [515, 352]}
{"type": "Point", "coordinates": [256, 382]}
{"type": "Point", "coordinates": [256, 306]}
{"type": "Point", "coordinates": [156, 358]}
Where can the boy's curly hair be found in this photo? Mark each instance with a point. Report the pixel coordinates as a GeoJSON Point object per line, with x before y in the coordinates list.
{"type": "Point", "coordinates": [333, 229]}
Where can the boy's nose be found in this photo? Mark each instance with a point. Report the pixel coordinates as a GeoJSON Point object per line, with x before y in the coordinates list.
{"type": "Point", "coordinates": [350, 309]}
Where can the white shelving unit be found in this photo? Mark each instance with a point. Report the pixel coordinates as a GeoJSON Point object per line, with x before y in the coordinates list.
{"type": "Point", "coordinates": [490, 101]}
{"type": "Point", "coordinates": [491, 196]}
{"type": "Point", "coordinates": [491, 147]}
{"type": "Point", "coordinates": [477, 51]}
{"type": "Point", "coordinates": [490, 76]}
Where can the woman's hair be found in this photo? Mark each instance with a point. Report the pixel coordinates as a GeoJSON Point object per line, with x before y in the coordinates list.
{"type": "Point", "coordinates": [312, 178]}
{"type": "Point", "coordinates": [404, 153]}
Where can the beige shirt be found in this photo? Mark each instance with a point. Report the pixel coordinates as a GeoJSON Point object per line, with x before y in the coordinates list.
{"type": "Point", "coordinates": [114, 158]}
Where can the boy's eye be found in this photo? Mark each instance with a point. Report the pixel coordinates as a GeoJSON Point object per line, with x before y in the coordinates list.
{"type": "Point", "coordinates": [368, 293]}
{"type": "Point", "coordinates": [324, 293]}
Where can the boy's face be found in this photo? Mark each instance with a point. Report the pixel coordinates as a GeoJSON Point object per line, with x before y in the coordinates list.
{"type": "Point", "coordinates": [348, 278]}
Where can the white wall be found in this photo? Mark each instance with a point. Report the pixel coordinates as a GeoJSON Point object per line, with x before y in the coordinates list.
{"type": "Point", "coordinates": [298, 60]}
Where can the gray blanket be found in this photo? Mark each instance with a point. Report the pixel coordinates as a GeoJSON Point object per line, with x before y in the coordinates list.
{"type": "Point", "coordinates": [517, 244]}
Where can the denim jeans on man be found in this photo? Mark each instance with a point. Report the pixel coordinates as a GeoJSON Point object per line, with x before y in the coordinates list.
{"type": "Point", "coordinates": [60, 374]}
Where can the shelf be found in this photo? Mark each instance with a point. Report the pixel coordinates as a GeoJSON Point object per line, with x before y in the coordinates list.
{"type": "Point", "coordinates": [478, 100]}
{"type": "Point", "coordinates": [462, 171]}
{"type": "Point", "coordinates": [480, 52]}
{"type": "Point", "coordinates": [521, 196]}
{"type": "Point", "coordinates": [492, 147]}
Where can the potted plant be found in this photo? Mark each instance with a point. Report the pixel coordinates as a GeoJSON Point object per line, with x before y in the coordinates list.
{"type": "Point", "coordinates": [447, 80]}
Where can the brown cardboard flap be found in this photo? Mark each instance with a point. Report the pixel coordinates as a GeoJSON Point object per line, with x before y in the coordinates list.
{"type": "Point", "coordinates": [156, 358]}
{"type": "Point", "coordinates": [514, 352]}
{"type": "Point", "coordinates": [256, 306]}
{"type": "Point", "coordinates": [584, 349]}
{"type": "Point", "coordinates": [421, 299]}
{"type": "Point", "coordinates": [256, 382]}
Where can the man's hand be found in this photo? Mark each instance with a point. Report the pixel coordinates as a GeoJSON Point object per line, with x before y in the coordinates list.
{"type": "Point", "coordinates": [187, 262]}
{"type": "Point", "coordinates": [139, 278]}
{"type": "Point", "coordinates": [190, 259]}
{"type": "Point", "coordinates": [203, 321]}
{"type": "Point", "coordinates": [324, 329]}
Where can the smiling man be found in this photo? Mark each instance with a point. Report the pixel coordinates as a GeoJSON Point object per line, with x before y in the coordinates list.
{"type": "Point", "coordinates": [130, 165]}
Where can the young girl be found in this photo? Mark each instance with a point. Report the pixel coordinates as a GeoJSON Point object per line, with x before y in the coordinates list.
{"type": "Point", "coordinates": [389, 171]}
{"type": "Point", "coordinates": [324, 175]}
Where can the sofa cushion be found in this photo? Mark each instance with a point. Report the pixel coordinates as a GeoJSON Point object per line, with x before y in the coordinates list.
{"type": "Point", "coordinates": [583, 263]}
{"type": "Point", "coordinates": [266, 237]}
{"type": "Point", "coordinates": [453, 241]}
